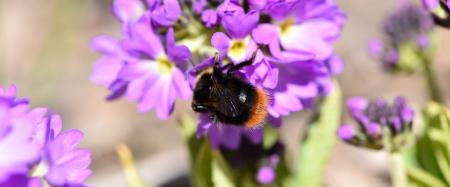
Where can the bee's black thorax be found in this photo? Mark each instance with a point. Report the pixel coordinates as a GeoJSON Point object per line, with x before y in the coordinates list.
{"type": "Point", "coordinates": [229, 98]}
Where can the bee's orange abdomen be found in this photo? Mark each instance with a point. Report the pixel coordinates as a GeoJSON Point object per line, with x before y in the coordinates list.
{"type": "Point", "coordinates": [259, 110]}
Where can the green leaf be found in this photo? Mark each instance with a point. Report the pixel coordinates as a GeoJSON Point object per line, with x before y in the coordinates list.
{"type": "Point", "coordinates": [315, 151]}
{"type": "Point", "coordinates": [433, 148]}
{"type": "Point", "coordinates": [422, 178]}
{"type": "Point", "coordinates": [222, 174]}
{"type": "Point", "coordinates": [200, 153]}
{"type": "Point", "coordinates": [202, 167]}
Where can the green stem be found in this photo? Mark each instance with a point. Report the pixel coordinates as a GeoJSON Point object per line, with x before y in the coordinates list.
{"type": "Point", "coordinates": [398, 170]}
{"type": "Point", "coordinates": [430, 78]}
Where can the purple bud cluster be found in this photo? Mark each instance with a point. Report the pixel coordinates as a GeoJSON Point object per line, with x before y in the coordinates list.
{"type": "Point", "coordinates": [380, 125]}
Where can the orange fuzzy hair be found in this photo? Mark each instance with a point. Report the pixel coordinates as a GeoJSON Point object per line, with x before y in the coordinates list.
{"type": "Point", "coordinates": [259, 110]}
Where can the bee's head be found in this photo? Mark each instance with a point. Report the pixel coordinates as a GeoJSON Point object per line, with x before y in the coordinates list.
{"type": "Point", "coordinates": [202, 93]}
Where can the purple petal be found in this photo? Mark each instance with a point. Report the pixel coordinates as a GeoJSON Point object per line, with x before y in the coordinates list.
{"type": "Point", "coordinates": [289, 56]}
{"type": "Point", "coordinates": [104, 44]}
{"type": "Point", "coordinates": [391, 57]}
{"type": "Point", "coordinates": [430, 4]}
{"type": "Point", "coordinates": [210, 18]}
{"type": "Point", "coordinates": [335, 65]}
{"type": "Point", "coordinates": [204, 122]}
{"type": "Point", "coordinates": [221, 42]}
{"type": "Point", "coordinates": [148, 100]}
{"type": "Point", "coordinates": [239, 26]}
{"type": "Point", "coordinates": [228, 7]}
{"type": "Point", "coordinates": [357, 104]}
{"type": "Point", "coordinates": [309, 90]}
{"type": "Point", "coordinates": [374, 129]}
{"type": "Point", "coordinates": [257, 4]}
{"type": "Point", "coordinates": [166, 100]}
{"type": "Point", "coordinates": [117, 89]}
{"type": "Point", "coordinates": [181, 85]}
{"type": "Point", "coordinates": [178, 54]}
{"type": "Point", "coordinates": [168, 13]}
{"type": "Point", "coordinates": [266, 175]}
{"type": "Point", "coordinates": [105, 70]}
{"type": "Point", "coordinates": [274, 121]}
{"type": "Point", "coordinates": [128, 10]}
{"type": "Point", "coordinates": [265, 34]}
{"type": "Point", "coordinates": [407, 114]}
{"type": "Point", "coordinates": [346, 132]}
{"type": "Point", "coordinates": [230, 136]}
{"type": "Point", "coordinates": [423, 41]}
{"type": "Point", "coordinates": [144, 40]}
{"type": "Point", "coordinates": [255, 135]}
{"type": "Point", "coordinates": [312, 37]}
{"type": "Point", "coordinates": [19, 180]}
{"type": "Point", "coordinates": [11, 92]}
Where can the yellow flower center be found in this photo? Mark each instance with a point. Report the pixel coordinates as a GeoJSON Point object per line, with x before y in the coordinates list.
{"type": "Point", "coordinates": [237, 49]}
{"type": "Point", "coordinates": [164, 65]}
{"type": "Point", "coordinates": [287, 25]}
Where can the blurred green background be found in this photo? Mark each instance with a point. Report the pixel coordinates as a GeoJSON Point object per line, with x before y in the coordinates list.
{"type": "Point", "coordinates": [45, 51]}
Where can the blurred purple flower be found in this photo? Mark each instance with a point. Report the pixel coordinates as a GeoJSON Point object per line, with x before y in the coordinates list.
{"type": "Point", "coordinates": [266, 175]}
{"type": "Point", "coordinates": [28, 139]}
{"type": "Point", "coordinates": [407, 25]}
{"type": "Point", "coordinates": [128, 10]}
{"type": "Point", "coordinates": [210, 18]}
{"type": "Point", "coordinates": [372, 118]}
{"type": "Point", "coordinates": [164, 12]}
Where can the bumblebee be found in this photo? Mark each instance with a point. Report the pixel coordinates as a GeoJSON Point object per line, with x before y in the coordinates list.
{"type": "Point", "coordinates": [229, 98]}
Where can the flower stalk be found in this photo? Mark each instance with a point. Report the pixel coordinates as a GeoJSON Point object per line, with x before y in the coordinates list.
{"type": "Point", "coordinates": [129, 167]}
{"type": "Point", "coordinates": [398, 170]}
{"type": "Point", "coordinates": [431, 80]}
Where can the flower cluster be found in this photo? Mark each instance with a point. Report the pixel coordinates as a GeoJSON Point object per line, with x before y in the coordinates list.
{"type": "Point", "coordinates": [165, 44]}
{"type": "Point", "coordinates": [35, 151]}
{"type": "Point", "coordinates": [381, 126]}
{"type": "Point", "coordinates": [407, 32]}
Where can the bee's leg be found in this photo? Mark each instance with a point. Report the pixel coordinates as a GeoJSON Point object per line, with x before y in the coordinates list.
{"type": "Point", "coordinates": [239, 66]}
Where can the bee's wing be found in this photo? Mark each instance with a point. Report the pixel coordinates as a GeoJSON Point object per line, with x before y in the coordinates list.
{"type": "Point", "coordinates": [228, 102]}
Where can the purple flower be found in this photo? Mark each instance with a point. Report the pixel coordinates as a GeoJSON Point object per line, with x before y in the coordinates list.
{"type": "Point", "coordinates": [68, 165]}
{"type": "Point", "coordinates": [28, 139]}
{"type": "Point", "coordinates": [293, 92]}
{"type": "Point", "coordinates": [153, 75]}
{"type": "Point", "coordinates": [379, 123]}
{"type": "Point", "coordinates": [307, 26]}
{"type": "Point", "coordinates": [266, 175]}
{"type": "Point", "coordinates": [405, 29]}
{"type": "Point", "coordinates": [210, 18]}
{"type": "Point", "coordinates": [164, 13]}
{"type": "Point", "coordinates": [346, 132]}
{"type": "Point", "coordinates": [240, 46]}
